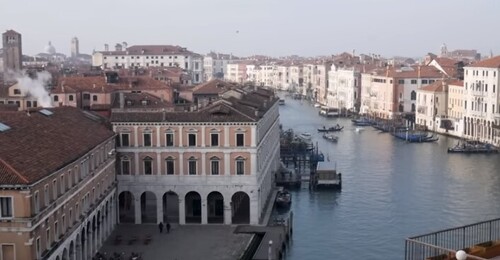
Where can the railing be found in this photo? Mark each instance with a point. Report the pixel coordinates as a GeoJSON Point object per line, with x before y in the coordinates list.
{"type": "Point", "coordinates": [450, 240]}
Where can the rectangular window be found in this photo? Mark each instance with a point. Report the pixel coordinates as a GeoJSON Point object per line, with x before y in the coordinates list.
{"type": "Point", "coordinates": [215, 139]}
{"type": "Point", "coordinates": [71, 217]}
{"type": "Point", "coordinates": [54, 189]}
{"type": "Point", "coordinates": [192, 167]}
{"type": "Point", "coordinates": [169, 137]}
{"type": "Point", "coordinates": [125, 140]}
{"type": "Point", "coordinates": [47, 236]}
{"type": "Point", "coordinates": [424, 81]}
{"type": "Point", "coordinates": [37, 246]}
{"type": "Point", "coordinates": [240, 139]}
{"type": "Point", "coordinates": [7, 252]}
{"type": "Point", "coordinates": [215, 167]}
{"type": "Point", "coordinates": [61, 183]}
{"type": "Point", "coordinates": [170, 167]}
{"type": "Point", "coordinates": [125, 167]}
{"type": "Point", "coordinates": [36, 202]}
{"type": "Point", "coordinates": [63, 222]}
{"type": "Point", "coordinates": [240, 167]}
{"type": "Point", "coordinates": [413, 81]}
{"type": "Point", "coordinates": [56, 231]}
{"type": "Point", "coordinates": [147, 139]}
{"type": "Point", "coordinates": [148, 166]}
{"type": "Point", "coordinates": [6, 207]}
{"type": "Point", "coordinates": [401, 81]}
{"type": "Point", "coordinates": [192, 139]}
{"type": "Point", "coordinates": [46, 195]}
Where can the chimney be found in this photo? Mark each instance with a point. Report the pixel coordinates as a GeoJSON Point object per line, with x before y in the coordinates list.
{"type": "Point", "coordinates": [106, 47]}
{"type": "Point", "coordinates": [118, 47]}
{"type": "Point", "coordinates": [122, 100]}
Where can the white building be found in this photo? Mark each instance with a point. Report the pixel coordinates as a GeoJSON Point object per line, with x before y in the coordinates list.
{"type": "Point", "coordinates": [432, 104]}
{"type": "Point", "coordinates": [215, 65]}
{"type": "Point", "coordinates": [151, 56]}
{"type": "Point", "coordinates": [456, 107]}
{"type": "Point", "coordinates": [482, 101]}
{"type": "Point", "coordinates": [344, 86]}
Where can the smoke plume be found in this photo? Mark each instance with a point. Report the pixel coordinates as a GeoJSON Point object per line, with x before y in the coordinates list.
{"type": "Point", "coordinates": [34, 86]}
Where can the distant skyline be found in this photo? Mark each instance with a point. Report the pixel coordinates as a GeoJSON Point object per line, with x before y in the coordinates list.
{"type": "Point", "coordinates": [269, 27]}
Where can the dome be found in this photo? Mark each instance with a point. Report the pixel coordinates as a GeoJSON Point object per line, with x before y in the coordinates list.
{"type": "Point", "coordinates": [50, 49]}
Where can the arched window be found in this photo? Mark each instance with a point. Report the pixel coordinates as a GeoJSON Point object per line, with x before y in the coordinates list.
{"type": "Point", "coordinates": [148, 165]}
{"type": "Point", "coordinates": [240, 165]}
{"type": "Point", "coordinates": [214, 166]}
{"type": "Point", "coordinates": [413, 95]}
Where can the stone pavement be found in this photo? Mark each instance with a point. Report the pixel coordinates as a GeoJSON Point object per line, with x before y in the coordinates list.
{"type": "Point", "coordinates": [208, 242]}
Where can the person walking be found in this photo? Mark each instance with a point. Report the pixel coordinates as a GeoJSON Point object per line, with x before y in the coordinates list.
{"type": "Point", "coordinates": [160, 226]}
{"type": "Point", "coordinates": [168, 227]}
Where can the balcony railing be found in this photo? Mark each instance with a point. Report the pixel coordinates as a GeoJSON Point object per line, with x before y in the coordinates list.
{"type": "Point", "coordinates": [480, 240]}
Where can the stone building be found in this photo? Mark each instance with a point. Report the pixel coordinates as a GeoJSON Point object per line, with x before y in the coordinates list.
{"type": "Point", "coordinates": [57, 184]}
{"type": "Point", "coordinates": [12, 51]}
{"type": "Point", "coordinates": [212, 165]}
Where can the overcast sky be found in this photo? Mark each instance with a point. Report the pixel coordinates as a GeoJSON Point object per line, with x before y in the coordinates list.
{"type": "Point", "coordinates": [270, 27]}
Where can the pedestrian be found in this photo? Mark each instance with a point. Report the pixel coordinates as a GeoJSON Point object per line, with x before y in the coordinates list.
{"type": "Point", "coordinates": [168, 227]}
{"type": "Point", "coordinates": [160, 226]}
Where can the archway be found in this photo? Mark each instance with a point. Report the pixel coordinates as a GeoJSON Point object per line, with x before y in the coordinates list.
{"type": "Point", "coordinates": [83, 237]}
{"type": "Point", "coordinates": [193, 207]}
{"type": "Point", "coordinates": [72, 249]}
{"type": "Point", "coordinates": [126, 207]}
{"type": "Point", "coordinates": [57, 258]}
{"type": "Point", "coordinates": [148, 207]}
{"type": "Point", "coordinates": [98, 229]}
{"type": "Point", "coordinates": [240, 208]}
{"type": "Point", "coordinates": [215, 207]}
{"type": "Point", "coordinates": [65, 255]}
{"type": "Point", "coordinates": [170, 202]}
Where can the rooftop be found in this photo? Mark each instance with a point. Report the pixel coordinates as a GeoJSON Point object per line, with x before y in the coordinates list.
{"type": "Point", "coordinates": [37, 145]}
{"type": "Point", "coordinates": [152, 50]}
{"type": "Point", "coordinates": [487, 63]}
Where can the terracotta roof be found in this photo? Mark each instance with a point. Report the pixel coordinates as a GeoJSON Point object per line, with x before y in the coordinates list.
{"type": "Point", "coordinates": [456, 82]}
{"type": "Point", "coordinates": [10, 32]}
{"type": "Point", "coordinates": [249, 108]}
{"type": "Point", "coordinates": [38, 145]}
{"type": "Point", "coordinates": [140, 100]}
{"type": "Point", "coordinates": [212, 87]}
{"type": "Point", "coordinates": [488, 63]}
{"type": "Point", "coordinates": [437, 86]}
{"type": "Point", "coordinates": [152, 50]}
{"type": "Point", "coordinates": [410, 72]}
{"type": "Point", "coordinates": [98, 84]}
{"type": "Point", "coordinates": [446, 62]}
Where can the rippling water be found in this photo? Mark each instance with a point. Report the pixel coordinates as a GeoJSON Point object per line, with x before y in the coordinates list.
{"type": "Point", "coordinates": [391, 190]}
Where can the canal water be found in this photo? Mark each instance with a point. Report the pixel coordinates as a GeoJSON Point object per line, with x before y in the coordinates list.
{"type": "Point", "coordinates": [391, 190]}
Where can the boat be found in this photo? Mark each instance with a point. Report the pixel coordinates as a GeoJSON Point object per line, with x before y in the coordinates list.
{"type": "Point", "coordinates": [329, 111]}
{"type": "Point", "coordinates": [331, 129]}
{"type": "Point", "coordinates": [472, 147]}
{"type": "Point", "coordinates": [305, 136]}
{"type": "Point", "coordinates": [326, 176]}
{"type": "Point", "coordinates": [417, 137]}
{"type": "Point", "coordinates": [363, 121]}
{"type": "Point", "coordinates": [331, 138]}
{"type": "Point", "coordinates": [317, 105]}
{"type": "Point", "coordinates": [281, 102]}
{"type": "Point", "coordinates": [359, 129]}
{"type": "Point", "coordinates": [283, 199]}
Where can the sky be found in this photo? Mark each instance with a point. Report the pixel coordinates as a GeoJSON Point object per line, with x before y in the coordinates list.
{"type": "Point", "coordinates": [410, 28]}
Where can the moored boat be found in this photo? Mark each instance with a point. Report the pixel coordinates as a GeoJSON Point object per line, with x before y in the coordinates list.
{"type": "Point", "coordinates": [363, 121]}
{"type": "Point", "coordinates": [282, 101]}
{"type": "Point", "coordinates": [472, 147]}
{"type": "Point", "coordinates": [284, 199]}
{"type": "Point", "coordinates": [330, 137]}
{"type": "Point", "coordinates": [305, 136]}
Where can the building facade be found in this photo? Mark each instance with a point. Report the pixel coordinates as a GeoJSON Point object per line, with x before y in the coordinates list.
{"type": "Point", "coordinates": [482, 100]}
{"type": "Point", "coordinates": [432, 103]}
{"type": "Point", "coordinates": [344, 88]}
{"type": "Point", "coordinates": [215, 65]}
{"type": "Point", "coordinates": [60, 202]}
{"type": "Point", "coordinates": [144, 56]}
{"type": "Point", "coordinates": [12, 51]}
{"type": "Point", "coordinates": [212, 165]}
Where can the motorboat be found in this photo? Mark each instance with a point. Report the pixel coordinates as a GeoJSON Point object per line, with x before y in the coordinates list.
{"type": "Point", "coordinates": [305, 136]}
{"type": "Point", "coordinates": [330, 137]}
{"type": "Point", "coordinates": [361, 121]}
{"type": "Point", "coordinates": [317, 105]}
{"type": "Point", "coordinates": [281, 102]}
{"type": "Point", "coordinates": [472, 147]}
{"type": "Point", "coordinates": [359, 129]}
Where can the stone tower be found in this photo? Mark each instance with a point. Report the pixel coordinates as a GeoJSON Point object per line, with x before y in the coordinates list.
{"type": "Point", "coordinates": [12, 51]}
{"type": "Point", "coordinates": [74, 47]}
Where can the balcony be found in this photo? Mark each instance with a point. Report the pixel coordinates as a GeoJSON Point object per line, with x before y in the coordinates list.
{"type": "Point", "coordinates": [480, 241]}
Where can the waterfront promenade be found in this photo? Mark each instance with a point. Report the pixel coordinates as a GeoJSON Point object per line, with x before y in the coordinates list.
{"type": "Point", "coordinates": [188, 242]}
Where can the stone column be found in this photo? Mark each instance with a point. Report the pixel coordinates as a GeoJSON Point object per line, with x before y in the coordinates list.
{"type": "Point", "coordinates": [203, 167]}
{"type": "Point", "coordinates": [226, 136]}
{"type": "Point", "coordinates": [254, 216]}
{"type": "Point", "coordinates": [227, 212]}
{"type": "Point", "coordinates": [158, 164]}
{"type": "Point", "coordinates": [182, 210]}
{"type": "Point", "coordinates": [159, 208]}
{"type": "Point", "coordinates": [204, 211]}
{"type": "Point", "coordinates": [89, 243]}
{"type": "Point", "coordinates": [227, 164]}
{"type": "Point", "coordinates": [203, 144]}
{"type": "Point", "coordinates": [181, 163]}
{"type": "Point", "coordinates": [137, 211]}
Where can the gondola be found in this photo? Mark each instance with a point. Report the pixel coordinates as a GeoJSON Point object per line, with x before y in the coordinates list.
{"type": "Point", "coordinates": [331, 129]}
